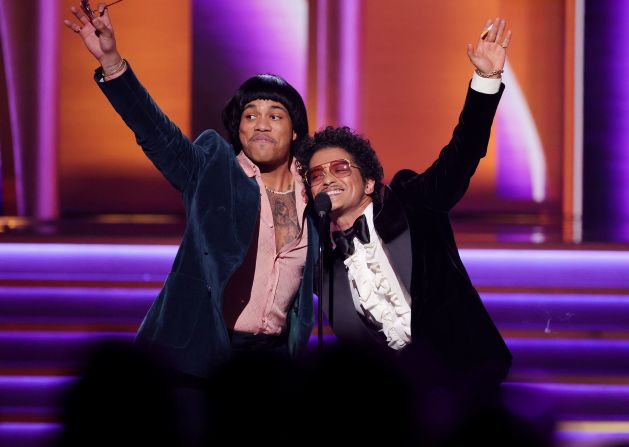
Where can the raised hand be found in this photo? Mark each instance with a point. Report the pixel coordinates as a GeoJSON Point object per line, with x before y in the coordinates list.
{"type": "Point", "coordinates": [490, 53]}
{"type": "Point", "coordinates": [98, 35]}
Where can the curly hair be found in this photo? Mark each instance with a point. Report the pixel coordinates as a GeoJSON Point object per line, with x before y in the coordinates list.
{"type": "Point", "coordinates": [265, 86]}
{"type": "Point", "coordinates": [358, 147]}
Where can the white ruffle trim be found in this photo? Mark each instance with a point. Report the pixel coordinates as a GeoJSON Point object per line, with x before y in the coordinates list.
{"type": "Point", "coordinates": [375, 295]}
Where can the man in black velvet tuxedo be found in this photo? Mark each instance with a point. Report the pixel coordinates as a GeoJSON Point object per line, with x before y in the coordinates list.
{"type": "Point", "coordinates": [398, 282]}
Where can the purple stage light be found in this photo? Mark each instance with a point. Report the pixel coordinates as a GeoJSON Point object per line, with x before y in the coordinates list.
{"type": "Point", "coordinates": [496, 267]}
{"type": "Point", "coordinates": [349, 64]}
{"type": "Point", "coordinates": [53, 348]}
{"type": "Point", "coordinates": [233, 41]}
{"type": "Point", "coordinates": [322, 62]}
{"type": "Point", "coordinates": [572, 438]}
{"type": "Point", "coordinates": [567, 401]}
{"type": "Point", "coordinates": [28, 433]}
{"type": "Point", "coordinates": [569, 355]}
{"type": "Point", "coordinates": [6, 8]}
{"type": "Point", "coordinates": [86, 262]}
{"type": "Point", "coordinates": [521, 160]}
{"type": "Point", "coordinates": [606, 113]}
{"type": "Point", "coordinates": [554, 312]}
{"type": "Point", "coordinates": [46, 206]}
{"type": "Point", "coordinates": [33, 394]}
{"type": "Point", "coordinates": [74, 304]}
{"type": "Point", "coordinates": [568, 268]}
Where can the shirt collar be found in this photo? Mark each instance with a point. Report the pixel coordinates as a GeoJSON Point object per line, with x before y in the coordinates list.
{"type": "Point", "coordinates": [247, 165]}
{"type": "Point", "coordinates": [251, 170]}
{"type": "Point", "coordinates": [369, 215]}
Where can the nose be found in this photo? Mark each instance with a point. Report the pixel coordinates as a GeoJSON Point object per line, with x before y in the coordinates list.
{"type": "Point", "coordinates": [263, 124]}
{"type": "Point", "coordinates": [328, 177]}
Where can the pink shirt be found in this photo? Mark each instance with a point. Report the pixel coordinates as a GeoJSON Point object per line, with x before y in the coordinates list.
{"type": "Point", "coordinates": [258, 295]}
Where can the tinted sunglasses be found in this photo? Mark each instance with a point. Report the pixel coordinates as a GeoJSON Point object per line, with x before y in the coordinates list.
{"type": "Point", "coordinates": [338, 168]}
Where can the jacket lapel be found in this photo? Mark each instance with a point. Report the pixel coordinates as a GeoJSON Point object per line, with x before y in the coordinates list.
{"type": "Point", "coordinates": [392, 227]}
{"type": "Point", "coordinates": [347, 325]}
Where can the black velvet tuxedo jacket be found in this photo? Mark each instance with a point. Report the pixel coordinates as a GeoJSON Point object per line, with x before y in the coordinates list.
{"type": "Point", "coordinates": [222, 204]}
{"type": "Point", "coordinates": [447, 316]}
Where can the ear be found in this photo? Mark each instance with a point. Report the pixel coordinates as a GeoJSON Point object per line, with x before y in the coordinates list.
{"type": "Point", "coordinates": [369, 186]}
{"type": "Point", "coordinates": [294, 135]}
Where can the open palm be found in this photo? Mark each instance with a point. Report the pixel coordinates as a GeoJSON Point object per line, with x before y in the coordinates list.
{"type": "Point", "coordinates": [98, 34]}
{"type": "Point", "coordinates": [490, 53]}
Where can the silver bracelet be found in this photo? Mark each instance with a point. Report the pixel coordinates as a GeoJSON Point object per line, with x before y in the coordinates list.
{"type": "Point", "coordinates": [491, 74]}
{"type": "Point", "coordinates": [116, 70]}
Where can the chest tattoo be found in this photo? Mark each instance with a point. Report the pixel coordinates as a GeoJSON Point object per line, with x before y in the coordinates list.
{"type": "Point", "coordinates": [285, 218]}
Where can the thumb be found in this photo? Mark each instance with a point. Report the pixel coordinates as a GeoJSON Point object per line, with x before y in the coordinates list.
{"type": "Point", "coordinates": [470, 52]}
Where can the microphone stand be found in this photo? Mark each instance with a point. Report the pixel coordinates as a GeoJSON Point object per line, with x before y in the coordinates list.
{"type": "Point", "coordinates": [323, 226]}
{"type": "Point", "coordinates": [322, 206]}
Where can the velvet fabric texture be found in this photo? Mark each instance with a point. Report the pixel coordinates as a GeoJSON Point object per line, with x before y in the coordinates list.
{"type": "Point", "coordinates": [185, 323]}
{"type": "Point", "coordinates": [448, 318]}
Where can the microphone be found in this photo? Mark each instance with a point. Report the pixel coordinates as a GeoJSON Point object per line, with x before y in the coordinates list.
{"type": "Point", "coordinates": [322, 204]}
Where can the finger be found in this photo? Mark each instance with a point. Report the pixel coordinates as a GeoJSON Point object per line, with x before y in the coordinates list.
{"type": "Point", "coordinates": [501, 30]}
{"type": "Point", "coordinates": [470, 51]}
{"type": "Point", "coordinates": [507, 40]}
{"type": "Point", "coordinates": [79, 14]}
{"type": "Point", "coordinates": [104, 13]}
{"type": "Point", "coordinates": [73, 26]}
{"type": "Point", "coordinates": [101, 28]}
{"type": "Point", "coordinates": [491, 36]}
{"type": "Point", "coordinates": [486, 29]}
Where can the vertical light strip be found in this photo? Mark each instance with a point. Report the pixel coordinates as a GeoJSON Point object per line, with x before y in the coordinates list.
{"type": "Point", "coordinates": [5, 40]}
{"type": "Point", "coordinates": [45, 206]}
{"type": "Point", "coordinates": [322, 63]}
{"type": "Point", "coordinates": [522, 162]}
{"type": "Point", "coordinates": [577, 150]}
{"type": "Point", "coordinates": [348, 63]}
{"type": "Point", "coordinates": [605, 116]}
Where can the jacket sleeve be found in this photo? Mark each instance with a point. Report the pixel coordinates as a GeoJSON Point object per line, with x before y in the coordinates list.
{"type": "Point", "coordinates": [177, 158]}
{"type": "Point", "coordinates": [444, 183]}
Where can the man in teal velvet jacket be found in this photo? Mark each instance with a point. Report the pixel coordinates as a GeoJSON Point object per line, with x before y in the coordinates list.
{"type": "Point", "coordinates": [242, 278]}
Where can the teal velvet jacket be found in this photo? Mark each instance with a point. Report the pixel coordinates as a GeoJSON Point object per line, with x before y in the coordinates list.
{"type": "Point", "coordinates": [185, 323]}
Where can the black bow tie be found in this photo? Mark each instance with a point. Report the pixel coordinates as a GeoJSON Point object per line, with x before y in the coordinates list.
{"type": "Point", "coordinates": [344, 239]}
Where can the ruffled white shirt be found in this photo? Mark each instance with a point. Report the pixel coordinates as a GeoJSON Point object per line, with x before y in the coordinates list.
{"type": "Point", "coordinates": [377, 289]}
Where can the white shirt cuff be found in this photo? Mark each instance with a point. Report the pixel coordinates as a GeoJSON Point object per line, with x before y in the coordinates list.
{"type": "Point", "coordinates": [485, 85]}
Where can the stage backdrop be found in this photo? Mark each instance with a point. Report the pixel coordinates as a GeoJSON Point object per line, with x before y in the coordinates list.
{"type": "Point", "coordinates": [101, 168]}
{"type": "Point", "coordinates": [394, 71]}
{"type": "Point", "coordinates": [398, 71]}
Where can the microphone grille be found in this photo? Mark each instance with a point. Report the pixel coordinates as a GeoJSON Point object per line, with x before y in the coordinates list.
{"type": "Point", "coordinates": [322, 204]}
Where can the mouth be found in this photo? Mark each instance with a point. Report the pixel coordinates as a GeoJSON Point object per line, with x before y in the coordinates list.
{"type": "Point", "coordinates": [262, 139]}
{"type": "Point", "coordinates": [333, 191]}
